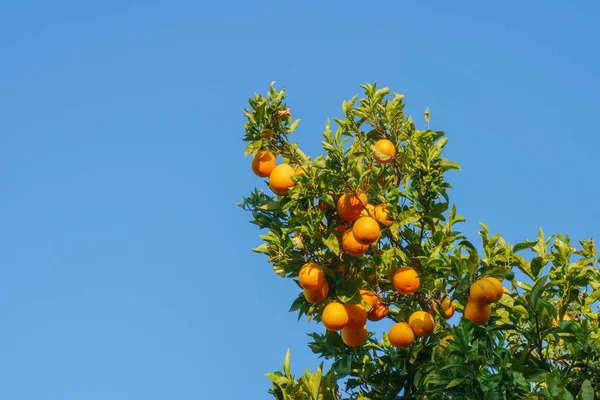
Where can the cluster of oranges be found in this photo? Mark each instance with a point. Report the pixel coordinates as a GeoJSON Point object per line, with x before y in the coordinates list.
{"type": "Point", "coordinates": [360, 227]}
{"type": "Point", "coordinates": [280, 176]}
{"type": "Point", "coordinates": [420, 323]}
{"type": "Point", "coordinates": [350, 319]}
{"type": "Point", "coordinates": [482, 294]}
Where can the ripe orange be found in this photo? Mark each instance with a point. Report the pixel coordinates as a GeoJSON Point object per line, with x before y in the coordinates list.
{"type": "Point", "coordinates": [498, 286]}
{"type": "Point", "coordinates": [406, 280]}
{"type": "Point", "coordinates": [401, 335]}
{"type": "Point", "coordinates": [334, 316]}
{"type": "Point", "coordinates": [359, 201]}
{"type": "Point", "coordinates": [357, 316]}
{"type": "Point", "coordinates": [378, 312]}
{"type": "Point", "coordinates": [349, 206]}
{"type": "Point", "coordinates": [280, 179]}
{"type": "Point", "coordinates": [387, 148]}
{"type": "Point", "coordinates": [366, 230]}
{"type": "Point", "coordinates": [448, 307]}
{"type": "Point", "coordinates": [351, 246]}
{"type": "Point", "coordinates": [263, 163]}
{"type": "Point", "coordinates": [421, 323]}
{"type": "Point", "coordinates": [346, 212]}
{"type": "Point", "coordinates": [381, 215]}
{"type": "Point", "coordinates": [354, 337]}
{"type": "Point", "coordinates": [311, 276]}
{"type": "Point", "coordinates": [477, 312]}
{"type": "Point", "coordinates": [483, 291]}
{"type": "Point", "coordinates": [317, 295]}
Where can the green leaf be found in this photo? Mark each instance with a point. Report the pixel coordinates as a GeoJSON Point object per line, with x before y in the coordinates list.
{"type": "Point", "coordinates": [556, 386]}
{"type": "Point", "coordinates": [540, 245]}
{"type": "Point", "coordinates": [263, 248]}
{"type": "Point", "coordinates": [455, 382]}
{"type": "Point", "coordinates": [522, 246]}
{"type": "Point", "coordinates": [300, 300]}
{"type": "Point", "coordinates": [537, 289]}
{"type": "Point", "coordinates": [332, 243]}
{"type": "Point", "coordinates": [587, 391]}
{"type": "Point", "coordinates": [270, 206]}
{"type": "Point", "coordinates": [279, 270]}
{"type": "Point", "coordinates": [293, 126]}
{"type": "Point", "coordinates": [286, 363]}
{"type": "Point", "coordinates": [315, 382]}
{"type": "Point", "coordinates": [537, 265]}
{"type": "Point", "coordinates": [408, 217]}
{"type": "Point", "coordinates": [277, 378]}
{"type": "Point", "coordinates": [591, 299]}
{"type": "Point", "coordinates": [253, 148]}
{"type": "Point", "coordinates": [349, 292]}
{"type": "Point", "coordinates": [427, 114]}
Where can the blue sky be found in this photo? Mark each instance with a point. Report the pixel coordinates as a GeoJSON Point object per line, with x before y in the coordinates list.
{"type": "Point", "coordinates": [126, 267]}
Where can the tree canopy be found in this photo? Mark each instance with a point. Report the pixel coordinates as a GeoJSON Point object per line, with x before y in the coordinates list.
{"type": "Point", "coordinates": [368, 231]}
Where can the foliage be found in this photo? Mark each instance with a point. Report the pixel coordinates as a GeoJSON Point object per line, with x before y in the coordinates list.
{"type": "Point", "coordinates": [542, 338]}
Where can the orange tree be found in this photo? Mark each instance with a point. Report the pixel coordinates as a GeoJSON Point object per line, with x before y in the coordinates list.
{"type": "Point", "coordinates": [368, 232]}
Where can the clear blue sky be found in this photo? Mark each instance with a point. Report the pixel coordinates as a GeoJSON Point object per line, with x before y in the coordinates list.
{"type": "Point", "coordinates": [126, 267]}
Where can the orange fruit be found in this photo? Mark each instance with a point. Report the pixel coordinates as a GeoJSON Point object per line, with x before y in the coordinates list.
{"type": "Point", "coordinates": [406, 280]}
{"type": "Point", "coordinates": [498, 286]}
{"type": "Point", "coordinates": [387, 148]}
{"type": "Point", "coordinates": [366, 230]}
{"type": "Point", "coordinates": [354, 337]}
{"type": "Point", "coordinates": [401, 335]}
{"type": "Point", "coordinates": [381, 215]}
{"type": "Point", "coordinates": [334, 316]}
{"type": "Point", "coordinates": [311, 276]}
{"type": "Point", "coordinates": [378, 312]}
{"type": "Point", "coordinates": [346, 212]}
{"type": "Point", "coordinates": [369, 297]}
{"type": "Point", "coordinates": [369, 211]}
{"type": "Point", "coordinates": [263, 163]}
{"type": "Point", "coordinates": [421, 323]}
{"type": "Point", "coordinates": [317, 295]}
{"type": "Point", "coordinates": [477, 312]}
{"type": "Point", "coordinates": [448, 307]}
{"type": "Point", "coordinates": [357, 316]}
{"type": "Point", "coordinates": [280, 179]}
{"type": "Point", "coordinates": [359, 201]}
{"type": "Point", "coordinates": [349, 206]}
{"type": "Point", "coordinates": [483, 291]}
{"type": "Point", "coordinates": [322, 206]}
{"type": "Point", "coordinates": [351, 246]}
